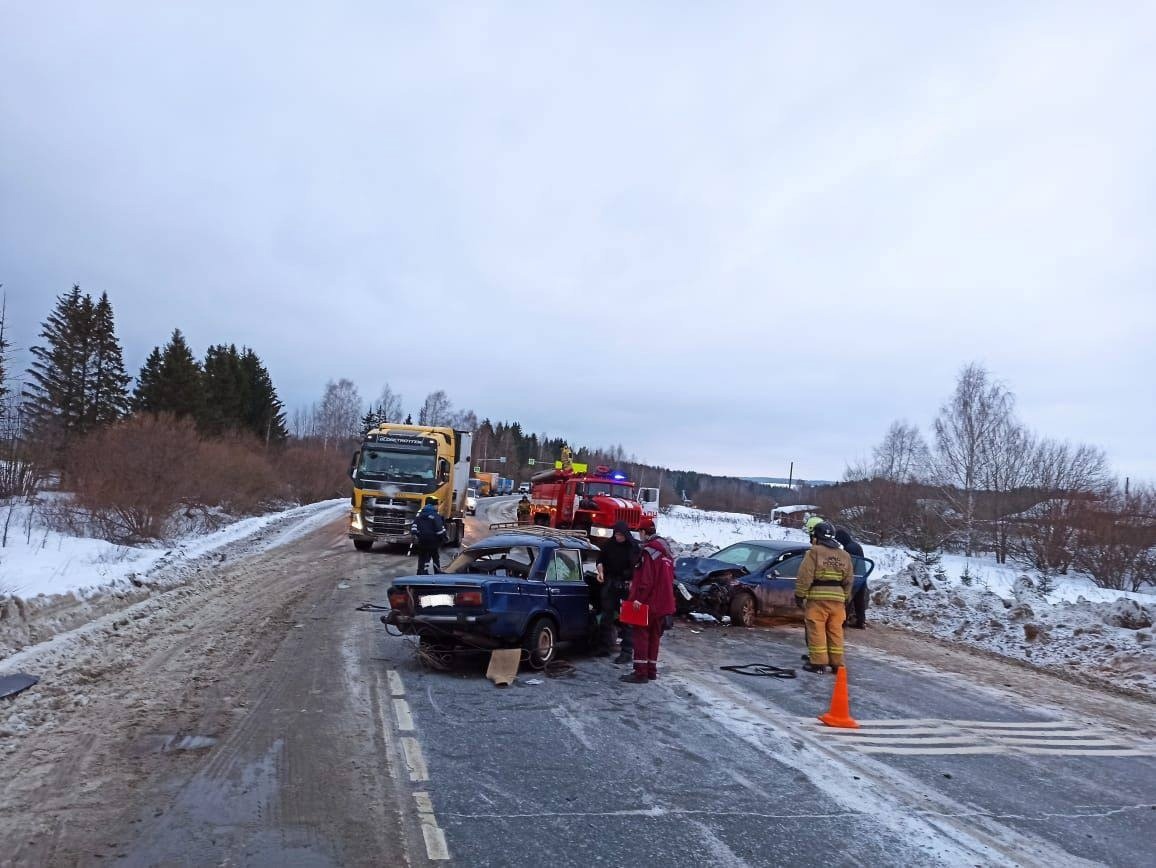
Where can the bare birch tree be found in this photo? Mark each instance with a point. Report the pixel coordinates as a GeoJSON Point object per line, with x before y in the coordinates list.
{"type": "Point", "coordinates": [1068, 480]}
{"type": "Point", "coordinates": [339, 413]}
{"type": "Point", "coordinates": [965, 426]}
{"type": "Point", "coordinates": [437, 409]}
{"type": "Point", "coordinates": [389, 406]}
{"type": "Point", "coordinates": [1006, 475]}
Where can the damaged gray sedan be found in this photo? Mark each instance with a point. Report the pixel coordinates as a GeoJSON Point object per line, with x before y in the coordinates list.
{"type": "Point", "coordinates": [747, 579]}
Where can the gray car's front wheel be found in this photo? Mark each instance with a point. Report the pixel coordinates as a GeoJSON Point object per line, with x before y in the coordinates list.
{"type": "Point", "coordinates": [743, 609]}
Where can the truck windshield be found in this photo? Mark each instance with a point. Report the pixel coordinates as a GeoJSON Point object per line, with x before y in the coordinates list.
{"type": "Point", "coordinates": [397, 466]}
{"type": "Point", "coordinates": [609, 488]}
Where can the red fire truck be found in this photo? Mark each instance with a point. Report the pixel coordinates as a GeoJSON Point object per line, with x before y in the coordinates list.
{"type": "Point", "coordinates": [575, 499]}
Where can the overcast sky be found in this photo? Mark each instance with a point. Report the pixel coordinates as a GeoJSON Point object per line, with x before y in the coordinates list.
{"type": "Point", "coordinates": [726, 235]}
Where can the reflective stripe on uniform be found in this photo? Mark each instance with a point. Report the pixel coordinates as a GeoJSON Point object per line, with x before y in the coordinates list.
{"type": "Point", "coordinates": [838, 596]}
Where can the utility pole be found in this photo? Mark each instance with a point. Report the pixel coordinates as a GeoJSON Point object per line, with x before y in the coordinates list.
{"type": "Point", "coordinates": [791, 476]}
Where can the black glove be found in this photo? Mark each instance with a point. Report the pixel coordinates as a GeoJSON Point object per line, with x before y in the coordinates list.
{"type": "Point", "coordinates": [801, 602]}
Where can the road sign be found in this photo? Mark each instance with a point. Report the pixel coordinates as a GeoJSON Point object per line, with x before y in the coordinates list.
{"type": "Point", "coordinates": [477, 470]}
{"type": "Point", "coordinates": [502, 460]}
{"type": "Point", "coordinates": [532, 461]}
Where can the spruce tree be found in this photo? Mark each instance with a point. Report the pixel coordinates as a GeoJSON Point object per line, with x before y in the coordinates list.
{"type": "Point", "coordinates": [226, 394]}
{"type": "Point", "coordinates": [145, 395]}
{"type": "Point", "coordinates": [77, 379]}
{"type": "Point", "coordinates": [264, 412]}
{"type": "Point", "coordinates": [369, 421]}
{"type": "Point", "coordinates": [171, 381]}
{"type": "Point", "coordinates": [108, 384]}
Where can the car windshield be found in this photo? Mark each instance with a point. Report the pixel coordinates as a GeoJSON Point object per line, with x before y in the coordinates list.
{"type": "Point", "coordinates": [512, 561]}
{"type": "Point", "coordinates": [744, 555]}
{"type": "Point", "coordinates": [609, 488]}
{"type": "Point", "coordinates": [400, 466]}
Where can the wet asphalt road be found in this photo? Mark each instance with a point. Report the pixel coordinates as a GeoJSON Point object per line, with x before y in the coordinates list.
{"type": "Point", "coordinates": [710, 767]}
{"type": "Point", "coordinates": [332, 745]}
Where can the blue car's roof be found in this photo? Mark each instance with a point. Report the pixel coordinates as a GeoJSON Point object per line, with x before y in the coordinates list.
{"type": "Point", "coordinates": [513, 538]}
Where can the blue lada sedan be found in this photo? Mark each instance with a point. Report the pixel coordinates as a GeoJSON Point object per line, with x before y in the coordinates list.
{"type": "Point", "coordinates": [527, 588]}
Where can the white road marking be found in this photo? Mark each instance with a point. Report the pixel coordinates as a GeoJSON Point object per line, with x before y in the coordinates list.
{"type": "Point", "coordinates": [404, 718]}
{"type": "Point", "coordinates": [414, 759]}
{"type": "Point", "coordinates": [917, 737]}
{"type": "Point", "coordinates": [1067, 751]}
{"type": "Point", "coordinates": [396, 686]}
{"type": "Point", "coordinates": [435, 843]}
{"type": "Point", "coordinates": [1056, 742]}
{"type": "Point", "coordinates": [435, 839]}
{"type": "Point", "coordinates": [929, 751]}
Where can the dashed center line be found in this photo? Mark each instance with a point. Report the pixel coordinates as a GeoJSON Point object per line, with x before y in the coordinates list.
{"type": "Point", "coordinates": [402, 713]}
{"type": "Point", "coordinates": [414, 760]}
{"type": "Point", "coordinates": [396, 687]}
{"type": "Point", "coordinates": [435, 838]}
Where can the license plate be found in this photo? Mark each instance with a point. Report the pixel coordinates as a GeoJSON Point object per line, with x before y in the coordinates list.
{"type": "Point", "coordinates": [437, 600]}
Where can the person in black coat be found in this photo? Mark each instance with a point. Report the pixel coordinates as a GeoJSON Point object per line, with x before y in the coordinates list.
{"type": "Point", "coordinates": [858, 602]}
{"type": "Point", "coordinates": [429, 534]}
{"type": "Point", "coordinates": [616, 564]}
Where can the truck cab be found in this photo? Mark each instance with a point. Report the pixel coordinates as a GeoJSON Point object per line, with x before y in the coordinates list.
{"type": "Point", "coordinates": [395, 470]}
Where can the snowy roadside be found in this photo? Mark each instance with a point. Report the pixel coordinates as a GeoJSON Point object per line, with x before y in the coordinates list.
{"type": "Point", "coordinates": [56, 583]}
{"type": "Point", "coordinates": [1076, 629]}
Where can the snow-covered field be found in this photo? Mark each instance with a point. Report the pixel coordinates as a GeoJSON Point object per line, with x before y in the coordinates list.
{"type": "Point", "coordinates": [51, 582]}
{"type": "Point", "coordinates": [36, 560]}
{"type": "Point", "coordinates": [1077, 628]}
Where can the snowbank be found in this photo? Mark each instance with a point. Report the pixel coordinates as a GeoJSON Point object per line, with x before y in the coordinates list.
{"type": "Point", "coordinates": [38, 561]}
{"type": "Point", "coordinates": [1104, 640]}
{"type": "Point", "coordinates": [1076, 628]}
{"type": "Point", "coordinates": [51, 583]}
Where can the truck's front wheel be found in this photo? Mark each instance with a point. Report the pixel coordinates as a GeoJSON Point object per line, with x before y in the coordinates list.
{"type": "Point", "coordinates": [363, 545]}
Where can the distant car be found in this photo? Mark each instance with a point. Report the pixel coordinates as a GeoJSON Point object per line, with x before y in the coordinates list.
{"type": "Point", "coordinates": [523, 588]}
{"type": "Point", "coordinates": [524, 488]}
{"type": "Point", "coordinates": [472, 502]}
{"type": "Point", "coordinates": [750, 578]}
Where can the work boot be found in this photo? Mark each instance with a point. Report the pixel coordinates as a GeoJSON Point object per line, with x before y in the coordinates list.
{"type": "Point", "coordinates": [859, 625]}
{"type": "Point", "coordinates": [634, 678]}
{"type": "Point", "coordinates": [806, 658]}
{"type": "Point", "coordinates": [819, 668]}
{"type": "Point", "coordinates": [624, 657]}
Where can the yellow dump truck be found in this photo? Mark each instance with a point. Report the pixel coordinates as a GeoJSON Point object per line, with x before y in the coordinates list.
{"type": "Point", "coordinates": [396, 469]}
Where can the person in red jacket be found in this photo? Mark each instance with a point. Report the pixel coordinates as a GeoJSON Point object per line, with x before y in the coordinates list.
{"type": "Point", "coordinates": [652, 584]}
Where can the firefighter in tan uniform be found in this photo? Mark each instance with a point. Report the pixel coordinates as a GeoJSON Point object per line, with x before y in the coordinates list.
{"type": "Point", "coordinates": [822, 591]}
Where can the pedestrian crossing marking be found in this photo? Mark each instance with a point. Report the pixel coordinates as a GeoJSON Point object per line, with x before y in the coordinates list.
{"type": "Point", "coordinates": [921, 737]}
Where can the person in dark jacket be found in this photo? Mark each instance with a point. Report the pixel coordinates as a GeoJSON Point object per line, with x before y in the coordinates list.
{"type": "Point", "coordinates": [652, 584]}
{"type": "Point", "coordinates": [616, 564]}
{"type": "Point", "coordinates": [859, 600]}
{"type": "Point", "coordinates": [429, 534]}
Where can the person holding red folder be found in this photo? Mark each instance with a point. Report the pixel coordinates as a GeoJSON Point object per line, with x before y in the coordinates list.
{"type": "Point", "coordinates": [653, 587]}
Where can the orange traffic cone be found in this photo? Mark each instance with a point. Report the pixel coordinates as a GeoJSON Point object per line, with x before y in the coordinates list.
{"type": "Point", "coordinates": [840, 713]}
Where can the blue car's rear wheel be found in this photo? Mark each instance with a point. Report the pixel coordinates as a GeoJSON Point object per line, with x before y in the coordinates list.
{"type": "Point", "coordinates": [541, 642]}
